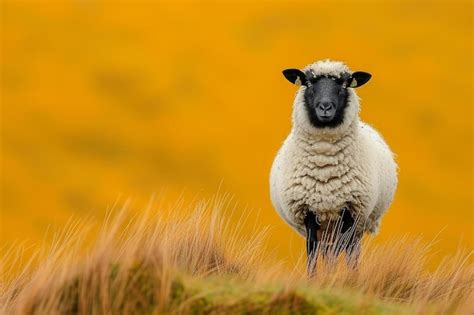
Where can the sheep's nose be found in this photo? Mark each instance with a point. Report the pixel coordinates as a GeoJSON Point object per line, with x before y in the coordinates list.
{"type": "Point", "coordinates": [326, 105]}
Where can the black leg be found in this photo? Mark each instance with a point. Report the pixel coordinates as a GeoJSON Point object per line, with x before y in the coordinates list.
{"type": "Point", "coordinates": [347, 220]}
{"type": "Point", "coordinates": [311, 240]}
{"type": "Point", "coordinates": [351, 239]}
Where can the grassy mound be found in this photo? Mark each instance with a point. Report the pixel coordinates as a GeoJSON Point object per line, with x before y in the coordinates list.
{"type": "Point", "coordinates": [155, 264]}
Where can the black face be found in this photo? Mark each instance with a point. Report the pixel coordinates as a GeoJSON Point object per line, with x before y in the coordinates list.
{"type": "Point", "coordinates": [326, 101]}
{"type": "Point", "coordinates": [326, 97]}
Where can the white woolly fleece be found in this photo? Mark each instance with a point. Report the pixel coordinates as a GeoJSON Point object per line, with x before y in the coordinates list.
{"type": "Point", "coordinates": [328, 67]}
{"type": "Point", "coordinates": [327, 168]}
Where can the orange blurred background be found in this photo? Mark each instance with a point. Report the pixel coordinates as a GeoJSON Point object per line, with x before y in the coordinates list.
{"type": "Point", "coordinates": [104, 101]}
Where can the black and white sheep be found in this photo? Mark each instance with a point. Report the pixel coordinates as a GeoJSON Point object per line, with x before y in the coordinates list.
{"type": "Point", "coordinates": [331, 167]}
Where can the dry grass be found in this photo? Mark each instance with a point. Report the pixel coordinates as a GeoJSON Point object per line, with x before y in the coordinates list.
{"type": "Point", "coordinates": [160, 262]}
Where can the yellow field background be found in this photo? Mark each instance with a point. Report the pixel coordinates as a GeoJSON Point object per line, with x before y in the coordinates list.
{"type": "Point", "coordinates": [105, 101]}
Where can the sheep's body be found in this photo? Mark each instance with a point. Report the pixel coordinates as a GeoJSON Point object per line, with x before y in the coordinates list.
{"type": "Point", "coordinates": [325, 169]}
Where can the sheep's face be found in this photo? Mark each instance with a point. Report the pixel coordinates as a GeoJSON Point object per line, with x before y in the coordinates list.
{"type": "Point", "coordinates": [325, 101]}
{"type": "Point", "coordinates": [326, 97]}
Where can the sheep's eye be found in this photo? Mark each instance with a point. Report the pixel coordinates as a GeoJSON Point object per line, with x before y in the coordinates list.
{"type": "Point", "coordinates": [338, 81]}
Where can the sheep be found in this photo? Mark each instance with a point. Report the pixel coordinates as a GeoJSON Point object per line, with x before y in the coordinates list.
{"type": "Point", "coordinates": [334, 174]}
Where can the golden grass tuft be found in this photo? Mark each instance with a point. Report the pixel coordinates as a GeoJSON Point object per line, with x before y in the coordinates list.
{"type": "Point", "coordinates": [163, 262]}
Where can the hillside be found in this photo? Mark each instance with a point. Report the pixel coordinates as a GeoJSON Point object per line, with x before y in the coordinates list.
{"type": "Point", "coordinates": [162, 262]}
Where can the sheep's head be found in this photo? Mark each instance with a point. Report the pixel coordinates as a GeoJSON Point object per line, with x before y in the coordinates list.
{"type": "Point", "coordinates": [326, 94]}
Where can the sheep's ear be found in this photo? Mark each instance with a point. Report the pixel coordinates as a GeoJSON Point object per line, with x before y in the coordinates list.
{"type": "Point", "coordinates": [359, 78]}
{"type": "Point", "coordinates": [295, 76]}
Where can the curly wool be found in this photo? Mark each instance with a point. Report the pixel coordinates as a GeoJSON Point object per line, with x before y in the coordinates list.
{"type": "Point", "coordinates": [326, 169]}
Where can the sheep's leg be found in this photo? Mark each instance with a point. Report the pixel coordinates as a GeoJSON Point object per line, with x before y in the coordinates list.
{"type": "Point", "coordinates": [350, 239]}
{"type": "Point", "coordinates": [340, 235]}
{"type": "Point", "coordinates": [312, 226]}
{"type": "Point", "coordinates": [347, 221]}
